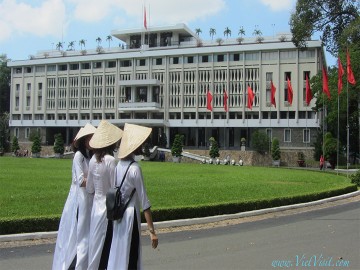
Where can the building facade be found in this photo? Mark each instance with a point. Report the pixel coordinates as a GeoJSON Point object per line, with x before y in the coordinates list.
{"type": "Point", "coordinates": [160, 78]}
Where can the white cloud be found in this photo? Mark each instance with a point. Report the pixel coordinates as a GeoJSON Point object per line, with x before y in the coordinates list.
{"type": "Point", "coordinates": [92, 10]}
{"type": "Point", "coordinates": [20, 18]}
{"type": "Point", "coordinates": [279, 5]}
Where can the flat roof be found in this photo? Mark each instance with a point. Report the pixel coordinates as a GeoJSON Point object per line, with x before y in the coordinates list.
{"type": "Point", "coordinates": [180, 28]}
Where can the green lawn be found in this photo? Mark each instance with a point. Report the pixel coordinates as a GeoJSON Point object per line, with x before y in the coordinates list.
{"type": "Point", "coordinates": [39, 187]}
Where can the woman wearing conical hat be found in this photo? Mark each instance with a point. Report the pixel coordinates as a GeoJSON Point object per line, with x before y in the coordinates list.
{"type": "Point", "coordinates": [100, 179]}
{"type": "Point", "coordinates": [125, 250]}
{"type": "Point", "coordinates": [73, 231]}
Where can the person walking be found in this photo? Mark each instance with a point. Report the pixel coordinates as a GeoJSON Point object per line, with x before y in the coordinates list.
{"type": "Point", "coordinates": [100, 179]}
{"type": "Point", "coordinates": [125, 250]}
{"type": "Point", "coordinates": [82, 157]}
{"type": "Point", "coordinates": [67, 238]}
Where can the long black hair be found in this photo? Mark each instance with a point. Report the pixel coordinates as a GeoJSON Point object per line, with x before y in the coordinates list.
{"type": "Point", "coordinates": [80, 146]}
{"type": "Point", "coordinates": [101, 152]}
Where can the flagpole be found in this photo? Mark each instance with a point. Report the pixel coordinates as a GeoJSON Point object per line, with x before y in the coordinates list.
{"type": "Point", "coordinates": [338, 133]}
{"type": "Point", "coordinates": [347, 128]}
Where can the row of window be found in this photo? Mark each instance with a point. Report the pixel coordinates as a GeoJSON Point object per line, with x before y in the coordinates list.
{"type": "Point", "coordinates": [250, 56]}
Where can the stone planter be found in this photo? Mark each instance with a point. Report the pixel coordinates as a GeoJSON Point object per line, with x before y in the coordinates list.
{"type": "Point", "coordinates": [176, 159]}
{"type": "Point", "coordinates": [35, 155]}
{"type": "Point", "coordinates": [276, 163]}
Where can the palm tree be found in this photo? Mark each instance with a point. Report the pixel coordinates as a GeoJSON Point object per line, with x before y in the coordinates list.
{"type": "Point", "coordinates": [82, 43]}
{"type": "Point", "coordinates": [59, 45]}
{"type": "Point", "coordinates": [212, 32]}
{"type": "Point", "coordinates": [109, 39]}
{"type": "Point", "coordinates": [241, 31]}
{"type": "Point", "coordinates": [198, 31]}
{"type": "Point", "coordinates": [71, 45]}
{"type": "Point", "coordinates": [227, 32]}
{"type": "Point", "coordinates": [98, 40]}
{"type": "Point", "coordinates": [257, 33]}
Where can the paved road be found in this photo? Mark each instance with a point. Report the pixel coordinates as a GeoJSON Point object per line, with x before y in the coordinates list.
{"type": "Point", "coordinates": [309, 240]}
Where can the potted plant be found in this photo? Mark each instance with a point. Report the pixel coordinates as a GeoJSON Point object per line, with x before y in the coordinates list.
{"type": "Point", "coordinates": [275, 152]}
{"type": "Point", "coordinates": [146, 151]}
{"type": "Point", "coordinates": [176, 148]}
{"type": "Point", "coordinates": [214, 148]}
{"type": "Point", "coordinates": [36, 146]}
{"type": "Point", "coordinates": [301, 159]}
{"type": "Point", "coordinates": [59, 145]}
{"type": "Point", "coordinates": [242, 143]}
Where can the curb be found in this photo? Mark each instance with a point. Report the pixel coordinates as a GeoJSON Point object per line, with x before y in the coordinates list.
{"type": "Point", "coordinates": [192, 221]}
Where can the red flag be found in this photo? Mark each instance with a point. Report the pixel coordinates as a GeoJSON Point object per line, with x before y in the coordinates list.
{"type": "Point", "coordinates": [273, 90]}
{"type": "Point", "coordinates": [145, 22]}
{"type": "Point", "coordinates": [225, 101]}
{"type": "Point", "coordinates": [208, 101]}
{"type": "Point", "coordinates": [350, 74]}
{"type": "Point", "coordinates": [340, 74]}
{"type": "Point", "coordinates": [250, 97]}
{"type": "Point", "coordinates": [290, 92]}
{"type": "Point", "coordinates": [308, 94]}
{"type": "Point", "coordinates": [325, 82]}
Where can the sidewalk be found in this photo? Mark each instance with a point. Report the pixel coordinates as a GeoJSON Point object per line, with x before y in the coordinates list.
{"type": "Point", "coordinates": [172, 225]}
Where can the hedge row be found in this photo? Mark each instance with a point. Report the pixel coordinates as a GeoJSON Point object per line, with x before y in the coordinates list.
{"type": "Point", "coordinates": [51, 223]}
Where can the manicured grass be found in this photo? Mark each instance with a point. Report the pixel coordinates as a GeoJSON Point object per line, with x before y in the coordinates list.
{"type": "Point", "coordinates": [39, 187]}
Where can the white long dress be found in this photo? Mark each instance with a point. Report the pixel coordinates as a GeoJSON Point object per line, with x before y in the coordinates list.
{"type": "Point", "coordinates": [84, 211]}
{"type": "Point", "coordinates": [100, 179]}
{"type": "Point", "coordinates": [65, 248]}
{"type": "Point", "coordinates": [123, 230]}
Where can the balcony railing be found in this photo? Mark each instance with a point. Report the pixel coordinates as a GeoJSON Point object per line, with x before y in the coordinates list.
{"type": "Point", "coordinates": [139, 106]}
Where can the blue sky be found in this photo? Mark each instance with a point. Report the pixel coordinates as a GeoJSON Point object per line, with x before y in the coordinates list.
{"type": "Point", "coordinates": [33, 25]}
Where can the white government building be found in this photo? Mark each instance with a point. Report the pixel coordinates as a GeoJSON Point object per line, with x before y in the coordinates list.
{"type": "Point", "coordinates": [160, 78]}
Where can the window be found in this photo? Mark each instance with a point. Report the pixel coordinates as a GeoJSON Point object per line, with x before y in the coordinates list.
{"type": "Point", "coordinates": [27, 101]}
{"type": "Point", "coordinates": [175, 60]}
{"type": "Point", "coordinates": [40, 68]}
{"type": "Point", "coordinates": [39, 101]}
{"type": "Point", "coordinates": [74, 66]}
{"type": "Point", "coordinates": [40, 86]}
{"type": "Point", "coordinates": [204, 58]}
{"type": "Point", "coordinates": [287, 135]}
{"type": "Point", "coordinates": [97, 64]}
{"type": "Point", "coordinates": [305, 74]}
{"type": "Point", "coordinates": [236, 57]}
{"type": "Point", "coordinates": [17, 87]}
{"type": "Point", "coordinates": [125, 63]}
{"type": "Point", "coordinates": [27, 133]}
{"type": "Point", "coordinates": [306, 135]}
{"type": "Point", "coordinates": [63, 67]}
{"type": "Point", "coordinates": [269, 56]}
{"type": "Point", "coordinates": [158, 61]}
{"type": "Point", "coordinates": [287, 75]}
{"type": "Point", "coordinates": [28, 86]}
{"type": "Point", "coordinates": [221, 58]}
{"type": "Point", "coordinates": [16, 132]}
{"type": "Point", "coordinates": [141, 62]}
{"type": "Point", "coordinates": [307, 54]}
{"type": "Point", "coordinates": [269, 134]}
{"type": "Point", "coordinates": [51, 68]}
{"type": "Point", "coordinates": [85, 66]}
{"type": "Point", "coordinates": [287, 55]}
{"type": "Point", "coordinates": [269, 77]}
{"type": "Point", "coordinates": [252, 56]}
{"type": "Point", "coordinates": [18, 70]}
{"type": "Point", "coordinates": [17, 102]}
{"type": "Point", "coordinates": [28, 70]}
{"type": "Point", "coordinates": [111, 64]}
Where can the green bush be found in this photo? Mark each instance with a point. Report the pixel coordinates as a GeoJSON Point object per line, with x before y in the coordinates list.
{"type": "Point", "coordinates": [260, 142]}
{"type": "Point", "coordinates": [15, 144]}
{"type": "Point", "coordinates": [214, 148]}
{"type": "Point", "coordinates": [59, 144]}
{"type": "Point", "coordinates": [355, 178]}
{"type": "Point", "coordinates": [275, 149]}
{"type": "Point", "coordinates": [36, 146]}
{"type": "Point", "coordinates": [177, 146]}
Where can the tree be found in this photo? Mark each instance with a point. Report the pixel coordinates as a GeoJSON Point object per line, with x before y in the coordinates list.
{"type": "Point", "coordinates": [330, 149]}
{"type": "Point", "coordinates": [109, 39]}
{"type": "Point", "coordinates": [82, 43]}
{"type": "Point", "coordinates": [71, 45]}
{"type": "Point", "coordinates": [59, 46]}
{"type": "Point", "coordinates": [36, 146]}
{"type": "Point", "coordinates": [98, 40]}
{"type": "Point", "coordinates": [176, 148]}
{"type": "Point", "coordinates": [15, 145]}
{"type": "Point", "coordinates": [163, 140]}
{"type": "Point", "coordinates": [241, 31]}
{"type": "Point", "coordinates": [227, 32]}
{"type": "Point", "coordinates": [275, 149]}
{"type": "Point", "coordinates": [214, 148]}
{"type": "Point", "coordinates": [212, 32]}
{"type": "Point", "coordinates": [4, 132]}
{"type": "Point", "coordinates": [5, 78]}
{"type": "Point", "coordinates": [59, 144]}
{"type": "Point", "coordinates": [260, 141]}
{"type": "Point", "coordinates": [330, 18]}
{"type": "Point", "coordinates": [198, 31]}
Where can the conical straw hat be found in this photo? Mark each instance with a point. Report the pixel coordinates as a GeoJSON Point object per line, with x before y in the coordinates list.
{"type": "Point", "coordinates": [84, 131]}
{"type": "Point", "coordinates": [134, 136]}
{"type": "Point", "coordinates": [105, 135]}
